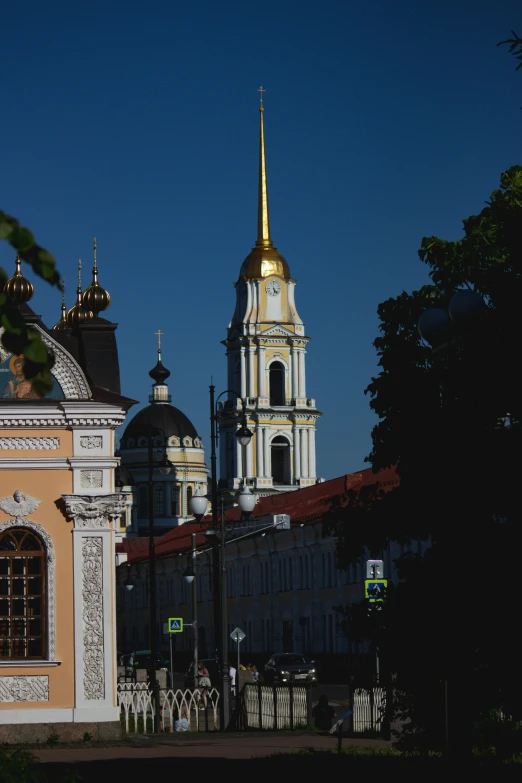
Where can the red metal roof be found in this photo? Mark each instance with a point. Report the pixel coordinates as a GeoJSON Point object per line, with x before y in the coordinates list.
{"type": "Point", "coordinates": [304, 506]}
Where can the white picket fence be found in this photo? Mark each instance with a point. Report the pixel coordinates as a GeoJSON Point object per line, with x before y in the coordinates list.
{"type": "Point", "coordinates": [137, 708]}
{"type": "Point", "coordinates": [274, 707]}
{"type": "Point", "coordinates": [368, 710]}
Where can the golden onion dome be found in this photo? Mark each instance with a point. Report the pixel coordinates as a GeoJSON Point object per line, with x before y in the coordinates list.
{"type": "Point", "coordinates": [263, 260]}
{"type": "Point", "coordinates": [79, 314]}
{"type": "Point", "coordinates": [96, 298]}
{"type": "Point", "coordinates": [62, 323]}
{"type": "Point", "coordinates": [18, 288]}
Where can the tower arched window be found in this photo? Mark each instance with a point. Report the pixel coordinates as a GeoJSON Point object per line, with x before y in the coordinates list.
{"type": "Point", "coordinates": [280, 454]}
{"type": "Point", "coordinates": [159, 500]}
{"type": "Point", "coordinates": [143, 502]}
{"type": "Point", "coordinates": [174, 500]}
{"type": "Point", "coordinates": [23, 576]}
{"type": "Point", "coordinates": [190, 492]}
{"type": "Point", "coordinates": [276, 376]}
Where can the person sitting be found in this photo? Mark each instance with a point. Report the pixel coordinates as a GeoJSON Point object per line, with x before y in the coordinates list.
{"type": "Point", "coordinates": [181, 718]}
{"type": "Point", "coordinates": [323, 714]}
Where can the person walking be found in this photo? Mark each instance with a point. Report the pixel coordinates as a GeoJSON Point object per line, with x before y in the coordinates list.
{"type": "Point", "coordinates": [232, 674]}
{"type": "Point", "coordinates": [204, 683]}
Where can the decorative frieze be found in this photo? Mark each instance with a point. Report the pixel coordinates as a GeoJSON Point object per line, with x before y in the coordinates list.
{"type": "Point", "coordinates": [33, 444]}
{"type": "Point", "coordinates": [94, 512]}
{"type": "Point", "coordinates": [24, 688]}
{"type": "Point", "coordinates": [91, 442]}
{"type": "Point", "coordinates": [91, 479]}
{"type": "Point", "coordinates": [92, 599]}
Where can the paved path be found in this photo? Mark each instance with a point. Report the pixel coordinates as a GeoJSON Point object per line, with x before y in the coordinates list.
{"type": "Point", "coordinates": [224, 746]}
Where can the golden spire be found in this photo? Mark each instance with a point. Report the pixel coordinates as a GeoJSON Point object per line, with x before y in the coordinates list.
{"type": "Point", "coordinates": [96, 298]}
{"type": "Point", "coordinates": [263, 217]}
{"type": "Point", "coordinates": [263, 260]}
{"type": "Point", "coordinates": [158, 334]}
{"type": "Point", "coordinates": [62, 323]}
{"type": "Point", "coordinates": [18, 288]}
{"type": "Point", "coordinates": [79, 314]}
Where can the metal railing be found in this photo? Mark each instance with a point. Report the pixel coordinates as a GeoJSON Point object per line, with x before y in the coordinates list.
{"type": "Point", "coordinates": [369, 706]}
{"type": "Point", "coordinates": [137, 709]}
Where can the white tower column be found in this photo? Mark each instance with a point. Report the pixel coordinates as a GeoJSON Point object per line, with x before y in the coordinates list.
{"type": "Point", "coordinates": [248, 454]}
{"type": "Point", "coordinates": [239, 459]}
{"type": "Point", "coordinates": [243, 372]}
{"type": "Point", "coordinates": [266, 445]}
{"type": "Point", "coordinates": [304, 453]}
{"type": "Point", "coordinates": [260, 468]}
{"type": "Point", "coordinates": [302, 374]}
{"type": "Point", "coordinates": [311, 453]}
{"type": "Point", "coordinates": [297, 452]}
{"type": "Point", "coordinates": [251, 363]}
{"type": "Point", "coordinates": [261, 371]}
{"type": "Point", "coordinates": [295, 377]}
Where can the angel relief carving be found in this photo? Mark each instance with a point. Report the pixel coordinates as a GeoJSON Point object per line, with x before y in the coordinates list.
{"type": "Point", "coordinates": [19, 505]}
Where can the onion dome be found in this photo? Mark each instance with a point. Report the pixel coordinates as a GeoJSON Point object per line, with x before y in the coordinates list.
{"type": "Point", "coordinates": [264, 259]}
{"type": "Point", "coordinates": [159, 374]}
{"type": "Point", "coordinates": [18, 288]}
{"type": "Point", "coordinates": [62, 323]}
{"type": "Point", "coordinates": [79, 314]}
{"type": "Point", "coordinates": [96, 298]}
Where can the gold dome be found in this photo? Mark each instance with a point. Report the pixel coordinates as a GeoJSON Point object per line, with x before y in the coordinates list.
{"type": "Point", "coordinates": [18, 288]}
{"type": "Point", "coordinates": [95, 297]}
{"type": "Point", "coordinates": [79, 314]}
{"type": "Point", "coordinates": [263, 262]}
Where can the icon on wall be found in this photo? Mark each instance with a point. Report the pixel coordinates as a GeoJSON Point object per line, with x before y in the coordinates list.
{"type": "Point", "coordinates": [17, 386]}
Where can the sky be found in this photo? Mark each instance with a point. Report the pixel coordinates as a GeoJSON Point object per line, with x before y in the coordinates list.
{"type": "Point", "coordinates": [138, 123]}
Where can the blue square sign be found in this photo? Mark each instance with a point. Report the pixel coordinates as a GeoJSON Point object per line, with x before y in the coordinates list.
{"type": "Point", "coordinates": [175, 625]}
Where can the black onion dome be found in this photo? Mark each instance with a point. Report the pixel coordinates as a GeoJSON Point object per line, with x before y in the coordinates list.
{"type": "Point", "coordinates": [159, 373]}
{"type": "Point", "coordinates": [163, 419]}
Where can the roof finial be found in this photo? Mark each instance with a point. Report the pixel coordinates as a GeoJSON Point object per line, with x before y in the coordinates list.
{"type": "Point", "coordinates": [159, 333]}
{"type": "Point", "coordinates": [95, 268]}
{"type": "Point", "coordinates": [79, 276]}
{"type": "Point", "coordinates": [263, 218]}
{"type": "Point", "coordinates": [96, 298]}
{"type": "Point", "coordinates": [62, 323]}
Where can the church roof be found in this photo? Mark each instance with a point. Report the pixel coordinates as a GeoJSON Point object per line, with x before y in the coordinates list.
{"type": "Point", "coordinates": [165, 419]}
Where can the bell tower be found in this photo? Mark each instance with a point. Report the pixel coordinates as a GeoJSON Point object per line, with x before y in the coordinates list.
{"type": "Point", "coordinates": [266, 354]}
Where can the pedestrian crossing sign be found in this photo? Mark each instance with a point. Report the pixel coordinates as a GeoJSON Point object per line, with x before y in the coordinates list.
{"type": "Point", "coordinates": [375, 589]}
{"type": "Point", "coordinates": [175, 625]}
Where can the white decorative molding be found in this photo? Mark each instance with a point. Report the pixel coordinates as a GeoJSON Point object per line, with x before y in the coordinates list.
{"type": "Point", "coordinates": [91, 442]}
{"type": "Point", "coordinates": [92, 598]}
{"type": "Point", "coordinates": [94, 512]}
{"type": "Point", "coordinates": [24, 688]}
{"type": "Point", "coordinates": [34, 444]}
{"type": "Point", "coordinates": [18, 504]}
{"type": "Point", "coordinates": [277, 329]}
{"type": "Point", "coordinates": [51, 561]}
{"type": "Point", "coordinates": [91, 479]}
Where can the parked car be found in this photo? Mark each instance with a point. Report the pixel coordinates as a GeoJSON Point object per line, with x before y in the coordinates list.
{"type": "Point", "coordinates": [141, 659]}
{"type": "Point", "coordinates": [211, 665]}
{"type": "Point", "coordinates": [290, 668]}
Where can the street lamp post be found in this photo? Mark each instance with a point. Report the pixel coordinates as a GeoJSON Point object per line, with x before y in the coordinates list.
{"type": "Point", "coordinates": [164, 467]}
{"type": "Point", "coordinates": [219, 572]}
{"type": "Point", "coordinates": [189, 575]}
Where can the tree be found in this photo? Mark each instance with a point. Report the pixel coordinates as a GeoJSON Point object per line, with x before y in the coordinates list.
{"type": "Point", "coordinates": [450, 421]}
{"type": "Point", "coordinates": [515, 47]}
{"type": "Point", "coordinates": [17, 337]}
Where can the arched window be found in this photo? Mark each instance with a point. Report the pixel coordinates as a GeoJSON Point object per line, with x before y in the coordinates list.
{"type": "Point", "coordinates": [174, 500]}
{"type": "Point", "coordinates": [280, 454]}
{"type": "Point", "coordinates": [190, 492]}
{"type": "Point", "coordinates": [23, 629]}
{"type": "Point", "coordinates": [159, 500]}
{"type": "Point", "coordinates": [143, 508]}
{"type": "Point", "coordinates": [276, 376]}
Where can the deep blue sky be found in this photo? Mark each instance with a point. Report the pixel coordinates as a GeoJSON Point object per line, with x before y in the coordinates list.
{"type": "Point", "coordinates": [137, 123]}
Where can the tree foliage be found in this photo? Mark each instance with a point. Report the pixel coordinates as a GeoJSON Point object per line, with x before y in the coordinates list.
{"type": "Point", "coordinates": [450, 421]}
{"type": "Point", "coordinates": [18, 337]}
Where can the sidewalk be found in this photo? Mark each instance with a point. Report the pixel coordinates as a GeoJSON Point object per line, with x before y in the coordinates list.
{"type": "Point", "coordinates": [207, 746]}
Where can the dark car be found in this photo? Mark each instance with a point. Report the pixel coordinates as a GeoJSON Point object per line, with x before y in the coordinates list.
{"type": "Point", "coordinates": [142, 659]}
{"type": "Point", "coordinates": [211, 665]}
{"type": "Point", "coordinates": [290, 668]}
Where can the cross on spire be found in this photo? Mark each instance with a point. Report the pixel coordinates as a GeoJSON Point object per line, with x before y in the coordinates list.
{"type": "Point", "coordinates": [159, 333]}
{"type": "Point", "coordinates": [261, 90]}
